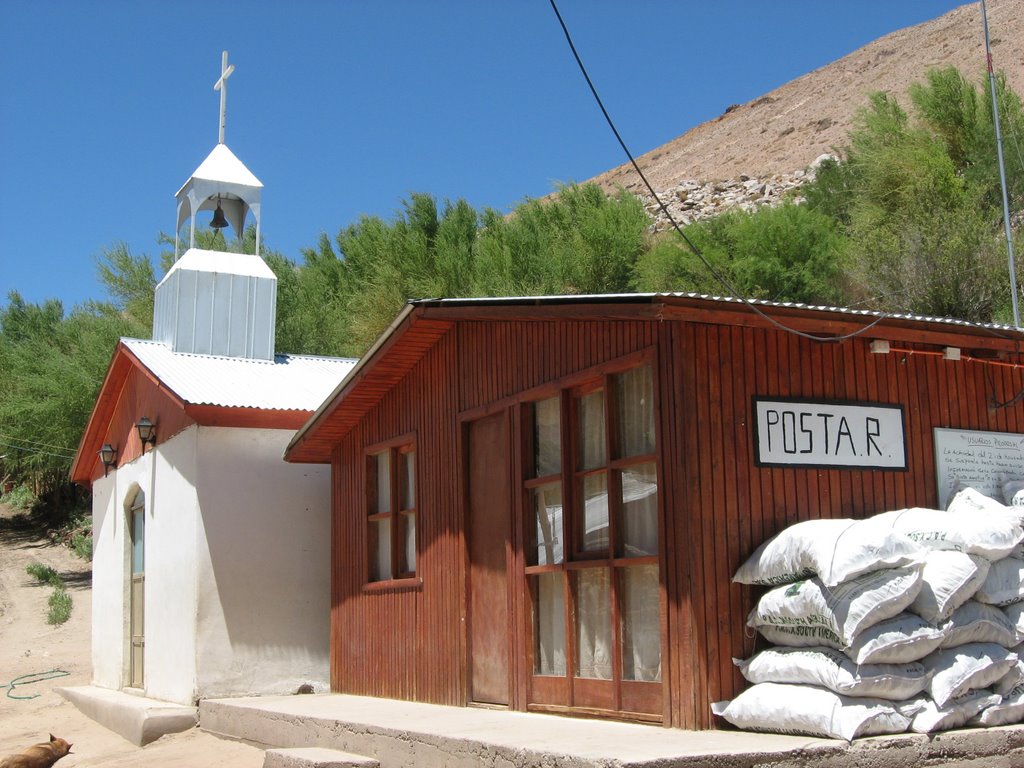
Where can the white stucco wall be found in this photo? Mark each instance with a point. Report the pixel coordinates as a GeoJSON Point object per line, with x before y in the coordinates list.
{"type": "Point", "coordinates": [172, 514]}
{"type": "Point", "coordinates": [165, 474]}
{"type": "Point", "coordinates": [237, 551]}
{"type": "Point", "coordinates": [264, 560]}
{"type": "Point", "coordinates": [107, 584]}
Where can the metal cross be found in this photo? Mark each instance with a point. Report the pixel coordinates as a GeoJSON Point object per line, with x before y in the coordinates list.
{"type": "Point", "coordinates": [222, 86]}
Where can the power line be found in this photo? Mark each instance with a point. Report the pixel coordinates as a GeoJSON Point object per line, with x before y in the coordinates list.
{"type": "Point", "coordinates": [36, 451]}
{"type": "Point", "coordinates": [675, 225]}
{"type": "Point", "coordinates": [36, 442]}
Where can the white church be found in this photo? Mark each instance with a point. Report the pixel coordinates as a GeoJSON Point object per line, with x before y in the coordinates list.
{"type": "Point", "coordinates": [211, 556]}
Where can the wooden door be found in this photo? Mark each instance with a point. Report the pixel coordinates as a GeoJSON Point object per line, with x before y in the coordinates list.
{"type": "Point", "coordinates": [137, 612]}
{"type": "Point", "coordinates": [489, 529]}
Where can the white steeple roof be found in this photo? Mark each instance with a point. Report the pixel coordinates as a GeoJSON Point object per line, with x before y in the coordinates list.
{"type": "Point", "coordinates": [222, 166]}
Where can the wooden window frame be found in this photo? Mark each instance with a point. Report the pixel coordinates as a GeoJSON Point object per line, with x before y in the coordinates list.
{"type": "Point", "coordinates": [638, 699]}
{"type": "Point", "coordinates": [395, 514]}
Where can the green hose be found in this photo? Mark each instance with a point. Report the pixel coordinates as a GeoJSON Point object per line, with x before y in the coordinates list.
{"type": "Point", "coordinates": [36, 677]}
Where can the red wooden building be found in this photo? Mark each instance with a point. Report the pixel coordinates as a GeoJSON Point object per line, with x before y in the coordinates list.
{"type": "Point", "coordinates": [539, 503]}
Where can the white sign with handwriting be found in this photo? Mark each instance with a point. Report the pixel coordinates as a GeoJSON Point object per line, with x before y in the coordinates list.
{"type": "Point", "coordinates": [829, 434]}
{"type": "Point", "coordinates": [981, 460]}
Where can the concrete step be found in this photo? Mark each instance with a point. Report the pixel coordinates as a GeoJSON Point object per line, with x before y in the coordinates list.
{"type": "Point", "coordinates": [316, 757]}
{"type": "Point", "coordinates": [136, 718]}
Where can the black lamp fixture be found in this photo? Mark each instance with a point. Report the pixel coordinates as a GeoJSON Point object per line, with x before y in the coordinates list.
{"type": "Point", "coordinates": [147, 432]}
{"type": "Point", "coordinates": [218, 221]}
{"type": "Point", "coordinates": [108, 455]}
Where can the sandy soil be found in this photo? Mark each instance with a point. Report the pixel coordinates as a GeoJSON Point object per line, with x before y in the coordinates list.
{"type": "Point", "coordinates": [28, 645]}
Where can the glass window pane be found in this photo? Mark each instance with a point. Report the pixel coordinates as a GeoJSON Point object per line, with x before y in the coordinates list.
{"type": "Point", "coordinates": [593, 530]}
{"type": "Point", "coordinates": [594, 624]}
{"type": "Point", "coordinates": [408, 460]}
{"type": "Point", "coordinates": [380, 550]}
{"type": "Point", "coordinates": [138, 537]}
{"type": "Point", "coordinates": [591, 430]}
{"type": "Point", "coordinates": [639, 511]}
{"type": "Point", "coordinates": [549, 625]}
{"type": "Point", "coordinates": [547, 437]}
{"type": "Point", "coordinates": [634, 412]}
{"type": "Point", "coordinates": [546, 547]}
{"type": "Point", "coordinates": [409, 541]}
{"type": "Point", "coordinates": [382, 483]}
{"type": "Point", "coordinates": [641, 627]}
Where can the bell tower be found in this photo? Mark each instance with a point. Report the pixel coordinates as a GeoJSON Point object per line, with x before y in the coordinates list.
{"type": "Point", "coordinates": [216, 302]}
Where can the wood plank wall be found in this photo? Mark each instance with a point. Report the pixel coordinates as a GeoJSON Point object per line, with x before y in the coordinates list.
{"type": "Point", "coordinates": [408, 643]}
{"type": "Point", "coordinates": [721, 506]}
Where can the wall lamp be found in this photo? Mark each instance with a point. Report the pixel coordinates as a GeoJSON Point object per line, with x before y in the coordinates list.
{"type": "Point", "coordinates": [147, 432]}
{"type": "Point", "coordinates": [108, 455]}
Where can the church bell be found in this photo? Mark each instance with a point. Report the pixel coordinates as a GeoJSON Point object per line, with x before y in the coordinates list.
{"type": "Point", "coordinates": [218, 221]}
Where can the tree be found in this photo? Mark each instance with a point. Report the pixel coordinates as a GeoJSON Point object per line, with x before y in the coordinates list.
{"type": "Point", "coordinates": [915, 196]}
{"type": "Point", "coordinates": [579, 241]}
{"type": "Point", "coordinates": [51, 368]}
{"type": "Point", "coordinates": [789, 253]}
{"type": "Point", "coordinates": [348, 290]}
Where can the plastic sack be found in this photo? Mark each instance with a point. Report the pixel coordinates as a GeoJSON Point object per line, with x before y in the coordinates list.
{"type": "Point", "coordinates": [1009, 710]}
{"type": "Point", "coordinates": [809, 613]}
{"type": "Point", "coordinates": [975, 622]}
{"type": "Point", "coordinates": [899, 640]}
{"type": "Point", "coordinates": [966, 667]}
{"type": "Point", "coordinates": [990, 536]}
{"type": "Point", "coordinates": [1014, 613]}
{"type": "Point", "coordinates": [1004, 584]}
{"type": "Point", "coordinates": [1013, 493]}
{"type": "Point", "coordinates": [833, 550]}
{"type": "Point", "coordinates": [804, 709]}
{"type": "Point", "coordinates": [1012, 680]}
{"type": "Point", "coordinates": [949, 580]}
{"type": "Point", "coordinates": [971, 501]}
{"type": "Point", "coordinates": [954, 713]}
{"type": "Point", "coordinates": [834, 670]}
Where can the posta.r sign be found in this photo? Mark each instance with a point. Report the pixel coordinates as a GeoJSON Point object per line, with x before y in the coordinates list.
{"type": "Point", "coordinates": [804, 433]}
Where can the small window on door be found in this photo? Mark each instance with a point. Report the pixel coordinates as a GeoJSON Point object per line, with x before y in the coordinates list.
{"type": "Point", "coordinates": [391, 512]}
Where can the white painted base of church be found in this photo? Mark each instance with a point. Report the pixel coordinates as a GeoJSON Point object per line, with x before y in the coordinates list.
{"type": "Point", "coordinates": [237, 568]}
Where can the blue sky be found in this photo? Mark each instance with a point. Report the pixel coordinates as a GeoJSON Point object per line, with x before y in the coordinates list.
{"type": "Point", "coordinates": [344, 108]}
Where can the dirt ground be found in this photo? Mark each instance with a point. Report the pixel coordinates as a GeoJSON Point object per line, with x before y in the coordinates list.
{"type": "Point", "coordinates": [30, 646]}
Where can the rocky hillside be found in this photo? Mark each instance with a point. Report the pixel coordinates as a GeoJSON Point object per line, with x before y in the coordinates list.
{"type": "Point", "coordinates": [756, 151]}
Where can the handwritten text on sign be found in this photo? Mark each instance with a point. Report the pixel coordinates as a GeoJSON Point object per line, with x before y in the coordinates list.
{"type": "Point", "coordinates": [831, 434]}
{"type": "Point", "coordinates": [981, 460]}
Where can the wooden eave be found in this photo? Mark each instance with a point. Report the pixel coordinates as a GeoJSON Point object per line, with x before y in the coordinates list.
{"type": "Point", "coordinates": [83, 466]}
{"type": "Point", "coordinates": [394, 354]}
{"type": "Point", "coordinates": [818, 321]}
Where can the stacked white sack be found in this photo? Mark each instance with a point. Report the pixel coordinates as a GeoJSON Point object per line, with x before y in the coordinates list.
{"type": "Point", "coordinates": [843, 585]}
{"type": "Point", "coordinates": [976, 670]}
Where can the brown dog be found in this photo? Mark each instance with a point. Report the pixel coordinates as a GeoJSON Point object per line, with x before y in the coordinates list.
{"type": "Point", "coordinates": [39, 755]}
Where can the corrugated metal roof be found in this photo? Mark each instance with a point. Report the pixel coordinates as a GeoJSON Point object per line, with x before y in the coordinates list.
{"type": "Point", "coordinates": [289, 383]}
{"type": "Point", "coordinates": [647, 297]}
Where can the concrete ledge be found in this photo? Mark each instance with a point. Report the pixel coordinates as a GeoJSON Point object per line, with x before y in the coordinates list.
{"type": "Point", "coordinates": [136, 718]}
{"type": "Point", "coordinates": [401, 733]}
{"type": "Point", "coordinates": [315, 757]}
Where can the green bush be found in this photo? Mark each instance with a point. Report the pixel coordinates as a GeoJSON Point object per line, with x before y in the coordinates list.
{"type": "Point", "coordinates": [76, 533]}
{"type": "Point", "coordinates": [81, 545]}
{"type": "Point", "coordinates": [60, 606]}
{"type": "Point", "coordinates": [44, 574]}
{"type": "Point", "coordinates": [20, 497]}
